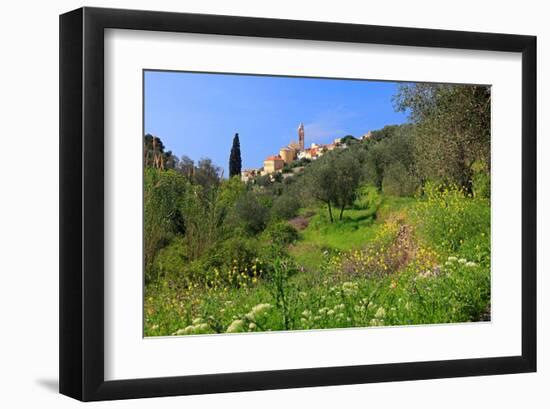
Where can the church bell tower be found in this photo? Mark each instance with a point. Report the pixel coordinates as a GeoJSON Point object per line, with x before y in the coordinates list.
{"type": "Point", "coordinates": [301, 134]}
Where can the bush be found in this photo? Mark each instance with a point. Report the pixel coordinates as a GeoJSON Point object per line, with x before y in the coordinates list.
{"type": "Point", "coordinates": [368, 198]}
{"type": "Point", "coordinates": [252, 214]}
{"type": "Point", "coordinates": [170, 260]}
{"type": "Point", "coordinates": [281, 233]}
{"type": "Point", "coordinates": [238, 251]}
{"type": "Point", "coordinates": [285, 207]}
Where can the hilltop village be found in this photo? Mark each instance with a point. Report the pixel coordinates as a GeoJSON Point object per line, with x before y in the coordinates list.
{"type": "Point", "coordinates": [293, 154]}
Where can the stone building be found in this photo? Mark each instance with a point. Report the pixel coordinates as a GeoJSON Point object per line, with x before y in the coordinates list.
{"type": "Point", "coordinates": [273, 164]}
{"type": "Point", "coordinates": [248, 174]}
{"type": "Point", "coordinates": [288, 154]}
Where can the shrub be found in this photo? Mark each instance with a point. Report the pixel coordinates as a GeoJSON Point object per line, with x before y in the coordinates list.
{"type": "Point", "coordinates": [368, 198]}
{"type": "Point", "coordinates": [171, 260]}
{"type": "Point", "coordinates": [252, 214]}
{"type": "Point", "coordinates": [281, 233]}
{"type": "Point", "coordinates": [285, 207]}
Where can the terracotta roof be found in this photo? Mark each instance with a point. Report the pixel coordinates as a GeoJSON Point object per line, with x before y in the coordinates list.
{"type": "Point", "coordinates": [274, 157]}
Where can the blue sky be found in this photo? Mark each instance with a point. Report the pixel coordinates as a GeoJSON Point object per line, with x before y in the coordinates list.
{"type": "Point", "coordinates": [197, 114]}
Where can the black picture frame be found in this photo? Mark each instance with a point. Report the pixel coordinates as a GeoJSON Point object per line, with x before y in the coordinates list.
{"type": "Point", "coordinates": [82, 200]}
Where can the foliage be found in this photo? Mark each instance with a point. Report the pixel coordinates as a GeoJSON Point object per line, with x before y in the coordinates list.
{"type": "Point", "coordinates": [207, 175]}
{"type": "Point", "coordinates": [453, 128]}
{"type": "Point", "coordinates": [285, 206]}
{"type": "Point", "coordinates": [235, 162]}
{"type": "Point", "coordinates": [251, 213]}
{"type": "Point", "coordinates": [367, 198]}
{"type": "Point", "coordinates": [333, 179]}
{"type": "Point", "coordinates": [154, 155]}
{"type": "Point", "coordinates": [481, 180]}
{"type": "Point", "coordinates": [391, 161]}
{"type": "Point", "coordinates": [398, 181]}
{"type": "Point", "coordinates": [163, 194]}
{"type": "Point", "coordinates": [449, 217]}
{"type": "Point", "coordinates": [281, 234]}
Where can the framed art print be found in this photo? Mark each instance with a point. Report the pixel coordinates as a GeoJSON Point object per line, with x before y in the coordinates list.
{"type": "Point", "coordinates": [255, 204]}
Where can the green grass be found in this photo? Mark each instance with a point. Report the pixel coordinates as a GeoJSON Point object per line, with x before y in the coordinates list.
{"type": "Point", "coordinates": [356, 230]}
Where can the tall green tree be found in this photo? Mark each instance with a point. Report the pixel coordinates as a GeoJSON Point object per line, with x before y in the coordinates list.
{"type": "Point", "coordinates": [235, 158]}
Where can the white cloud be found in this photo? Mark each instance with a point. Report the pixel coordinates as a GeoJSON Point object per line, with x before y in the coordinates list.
{"type": "Point", "coordinates": [330, 125]}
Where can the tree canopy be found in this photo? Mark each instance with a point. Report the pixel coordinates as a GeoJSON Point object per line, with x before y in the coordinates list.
{"type": "Point", "coordinates": [452, 128]}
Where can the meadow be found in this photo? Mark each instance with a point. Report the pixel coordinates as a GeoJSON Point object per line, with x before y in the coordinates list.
{"type": "Point", "coordinates": [410, 261]}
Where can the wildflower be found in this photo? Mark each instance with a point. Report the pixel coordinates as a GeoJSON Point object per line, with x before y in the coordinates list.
{"type": "Point", "coordinates": [452, 258]}
{"type": "Point", "coordinates": [257, 311]}
{"type": "Point", "coordinates": [462, 261]}
{"type": "Point", "coordinates": [380, 313]}
{"type": "Point", "coordinates": [236, 326]}
{"type": "Point", "coordinates": [349, 288]}
{"type": "Point", "coordinates": [330, 312]}
{"type": "Point", "coordinates": [260, 308]}
{"type": "Point", "coordinates": [470, 264]}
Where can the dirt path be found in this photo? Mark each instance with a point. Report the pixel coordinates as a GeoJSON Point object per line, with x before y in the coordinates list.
{"type": "Point", "coordinates": [299, 223]}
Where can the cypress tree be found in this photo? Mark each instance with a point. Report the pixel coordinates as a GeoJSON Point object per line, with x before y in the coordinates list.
{"type": "Point", "coordinates": [235, 157]}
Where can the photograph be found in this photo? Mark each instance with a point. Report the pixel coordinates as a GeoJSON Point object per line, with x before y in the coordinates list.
{"type": "Point", "coordinates": [275, 203]}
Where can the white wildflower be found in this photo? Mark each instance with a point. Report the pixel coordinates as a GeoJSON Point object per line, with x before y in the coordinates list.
{"type": "Point", "coordinates": [380, 313]}
{"type": "Point", "coordinates": [462, 260]}
{"type": "Point", "coordinates": [236, 326]}
{"type": "Point", "coordinates": [470, 264]}
{"type": "Point", "coordinates": [257, 311]}
{"type": "Point", "coordinates": [452, 258]}
{"type": "Point", "coordinates": [349, 288]}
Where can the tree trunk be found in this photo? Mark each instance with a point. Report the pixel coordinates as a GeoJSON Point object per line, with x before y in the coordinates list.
{"type": "Point", "coordinates": [342, 211]}
{"type": "Point", "coordinates": [330, 212]}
